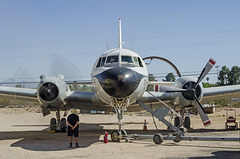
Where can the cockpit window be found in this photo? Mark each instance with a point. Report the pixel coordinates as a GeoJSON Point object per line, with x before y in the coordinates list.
{"type": "Point", "coordinates": [112, 59]}
{"type": "Point", "coordinates": [127, 59]}
{"type": "Point", "coordinates": [136, 61]}
{"type": "Point", "coordinates": [140, 62]}
{"type": "Point", "coordinates": [103, 61]}
{"type": "Point", "coordinates": [99, 62]}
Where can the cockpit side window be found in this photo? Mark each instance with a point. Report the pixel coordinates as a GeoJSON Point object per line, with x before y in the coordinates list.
{"type": "Point", "coordinates": [140, 62]}
{"type": "Point", "coordinates": [136, 61]}
{"type": "Point", "coordinates": [99, 62]}
{"type": "Point", "coordinates": [103, 61]}
{"type": "Point", "coordinates": [112, 59]}
{"type": "Point", "coordinates": [127, 59]}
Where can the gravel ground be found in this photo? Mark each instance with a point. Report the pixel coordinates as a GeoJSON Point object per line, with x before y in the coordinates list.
{"type": "Point", "coordinates": [23, 134]}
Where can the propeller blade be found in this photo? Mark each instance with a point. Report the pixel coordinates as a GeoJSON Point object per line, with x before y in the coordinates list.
{"type": "Point", "coordinates": [205, 71]}
{"type": "Point", "coordinates": [202, 113]}
{"type": "Point", "coordinates": [170, 89]}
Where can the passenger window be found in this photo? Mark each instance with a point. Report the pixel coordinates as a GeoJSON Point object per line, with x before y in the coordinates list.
{"type": "Point", "coordinates": [112, 59]}
{"type": "Point", "coordinates": [127, 59]}
{"type": "Point", "coordinates": [99, 62]}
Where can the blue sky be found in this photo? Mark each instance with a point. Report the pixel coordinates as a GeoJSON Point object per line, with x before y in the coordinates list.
{"type": "Point", "coordinates": [60, 36]}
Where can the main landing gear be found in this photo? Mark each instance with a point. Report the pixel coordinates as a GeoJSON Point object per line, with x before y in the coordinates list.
{"type": "Point", "coordinates": [186, 123]}
{"type": "Point", "coordinates": [57, 124]}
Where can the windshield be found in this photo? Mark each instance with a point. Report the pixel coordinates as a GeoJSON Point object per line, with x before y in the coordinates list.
{"type": "Point", "coordinates": [127, 59]}
{"type": "Point", "coordinates": [112, 59]}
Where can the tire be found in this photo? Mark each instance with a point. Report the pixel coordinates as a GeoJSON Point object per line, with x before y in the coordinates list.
{"type": "Point", "coordinates": [53, 124]}
{"type": "Point", "coordinates": [187, 122]}
{"type": "Point", "coordinates": [177, 138]}
{"type": "Point", "coordinates": [177, 121]}
{"type": "Point", "coordinates": [115, 136]}
{"type": "Point", "coordinates": [158, 139]}
{"type": "Point", "coordinates": [63, 125]}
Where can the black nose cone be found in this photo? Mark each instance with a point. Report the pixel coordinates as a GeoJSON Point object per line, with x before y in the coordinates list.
{"type": "Point", "coordinates": [119, 82]}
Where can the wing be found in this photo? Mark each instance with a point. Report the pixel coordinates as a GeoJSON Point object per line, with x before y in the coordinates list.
{"type": "Point", "coordinates": [220, 92]}
{"type": "Point", "coordinates": [86, 101]}
{"type": "Point", "coordinates": [80, 100]}
{"type": "Point", "coordinates": [19, 92]}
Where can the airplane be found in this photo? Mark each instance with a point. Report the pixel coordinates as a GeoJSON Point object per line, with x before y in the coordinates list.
{"type": "Point", "coordinates": [120, 79]}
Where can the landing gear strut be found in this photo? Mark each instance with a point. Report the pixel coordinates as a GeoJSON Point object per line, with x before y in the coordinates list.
{"type": "Point", "coordinates": [119, 134]}
{"type": "Point", "coordinates": [58, 124]}
{"type": "Point", "coordinates": [119, 106]}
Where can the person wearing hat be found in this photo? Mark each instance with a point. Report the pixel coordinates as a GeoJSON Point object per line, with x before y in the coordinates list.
{"type": "Point", "coordinates": [73, 125]}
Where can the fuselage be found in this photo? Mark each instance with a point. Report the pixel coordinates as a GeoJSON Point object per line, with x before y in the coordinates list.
{"type": "Point", "coordinates": [119, 74]}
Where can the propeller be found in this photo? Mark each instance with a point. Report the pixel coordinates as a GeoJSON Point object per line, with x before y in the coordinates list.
{"type": "Point", "coordinates": [190, 91]}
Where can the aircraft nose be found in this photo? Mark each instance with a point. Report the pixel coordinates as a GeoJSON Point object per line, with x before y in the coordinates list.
{"type": "Point", "coordinates": [119, 82]}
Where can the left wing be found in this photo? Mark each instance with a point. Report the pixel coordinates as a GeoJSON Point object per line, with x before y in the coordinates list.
{"type": "Point", "coordinates": [212, 93]}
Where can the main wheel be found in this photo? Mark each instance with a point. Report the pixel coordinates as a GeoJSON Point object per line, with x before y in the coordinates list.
{"type": "Point", "coordinates": [158, 139]}
{"type": "Point", "coordinates": [187, 122]}
{"type": "Point", "coordinates": [53, 124]}
{"type": "Point", "coordinates": [177, 121]}
{"type": "Point", "coordinates": [63, 125]}
{"type": "Point", "coordinates": [115, 136]}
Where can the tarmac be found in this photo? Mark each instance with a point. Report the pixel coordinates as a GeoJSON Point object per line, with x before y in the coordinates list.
{"type": "Point", "coordinates": [24, 134]}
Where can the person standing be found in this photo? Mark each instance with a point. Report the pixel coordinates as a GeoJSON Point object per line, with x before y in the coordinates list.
{"type": "Point", "coordinates": [73, 125]}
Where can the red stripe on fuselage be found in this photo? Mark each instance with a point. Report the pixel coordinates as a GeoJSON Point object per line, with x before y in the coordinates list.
{"type": "Point", "coordinates": [156, 88]}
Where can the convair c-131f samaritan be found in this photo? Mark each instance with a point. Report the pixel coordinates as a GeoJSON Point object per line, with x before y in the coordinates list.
{"type": "Point", "coordinates": [120, 80]}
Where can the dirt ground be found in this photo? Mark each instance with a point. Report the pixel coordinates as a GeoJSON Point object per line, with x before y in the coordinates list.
{"type": "Point", "coordinates": [23, 134]}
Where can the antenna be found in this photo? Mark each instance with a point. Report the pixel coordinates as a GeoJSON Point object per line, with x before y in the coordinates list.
{"type": "Point", "coordinates": [119, 34]}
{"type": "Point", "coordinates": [107, 45]}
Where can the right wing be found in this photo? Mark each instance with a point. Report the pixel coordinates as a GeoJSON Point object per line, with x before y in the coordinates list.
{"type": "Point", "coordinates": [18, 92]}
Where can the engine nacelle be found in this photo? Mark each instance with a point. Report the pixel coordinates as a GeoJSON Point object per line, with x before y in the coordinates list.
{"type": "Point", "coordinates": [186, 98]}
{"type": "Point", "coordinates": [52, 91]}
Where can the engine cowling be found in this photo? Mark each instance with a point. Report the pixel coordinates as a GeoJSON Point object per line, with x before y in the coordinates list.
{"type": "Point", "coordinates": [52, 91]}
{"type": "Point", "coordinates": [186, 98]}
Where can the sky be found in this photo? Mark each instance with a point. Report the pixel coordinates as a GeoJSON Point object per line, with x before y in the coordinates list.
{"type": "Point", "coordinates": [68, 36]}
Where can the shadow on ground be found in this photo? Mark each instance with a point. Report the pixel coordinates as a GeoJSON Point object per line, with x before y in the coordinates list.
{"type": "Point", "coordinates": [89, 134]}
{"type": "Point", "coordinates": [221, 155]}
{"type": "Point", "coordinates": [44, 141]}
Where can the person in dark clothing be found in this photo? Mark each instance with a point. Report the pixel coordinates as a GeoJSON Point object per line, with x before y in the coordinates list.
{"type": "Point", "coordinates": [73, 125]}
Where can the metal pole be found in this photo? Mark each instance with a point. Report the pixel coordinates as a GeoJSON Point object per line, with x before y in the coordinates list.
{"type": "Point", "coordinates": [217, 70]}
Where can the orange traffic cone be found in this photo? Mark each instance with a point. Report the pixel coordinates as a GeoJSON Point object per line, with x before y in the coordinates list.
{"type": "Point", "coordinates": [145, 125]}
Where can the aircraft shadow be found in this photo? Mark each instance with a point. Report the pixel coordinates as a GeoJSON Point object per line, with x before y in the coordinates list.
{"type": "Point", "coordinates": [44, 141]}
{"type": "Point", "coordinates": [221, 155]}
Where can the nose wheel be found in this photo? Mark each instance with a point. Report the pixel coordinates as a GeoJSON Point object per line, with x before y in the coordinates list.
{"type": "Point", "coordinates": [117, 135]}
